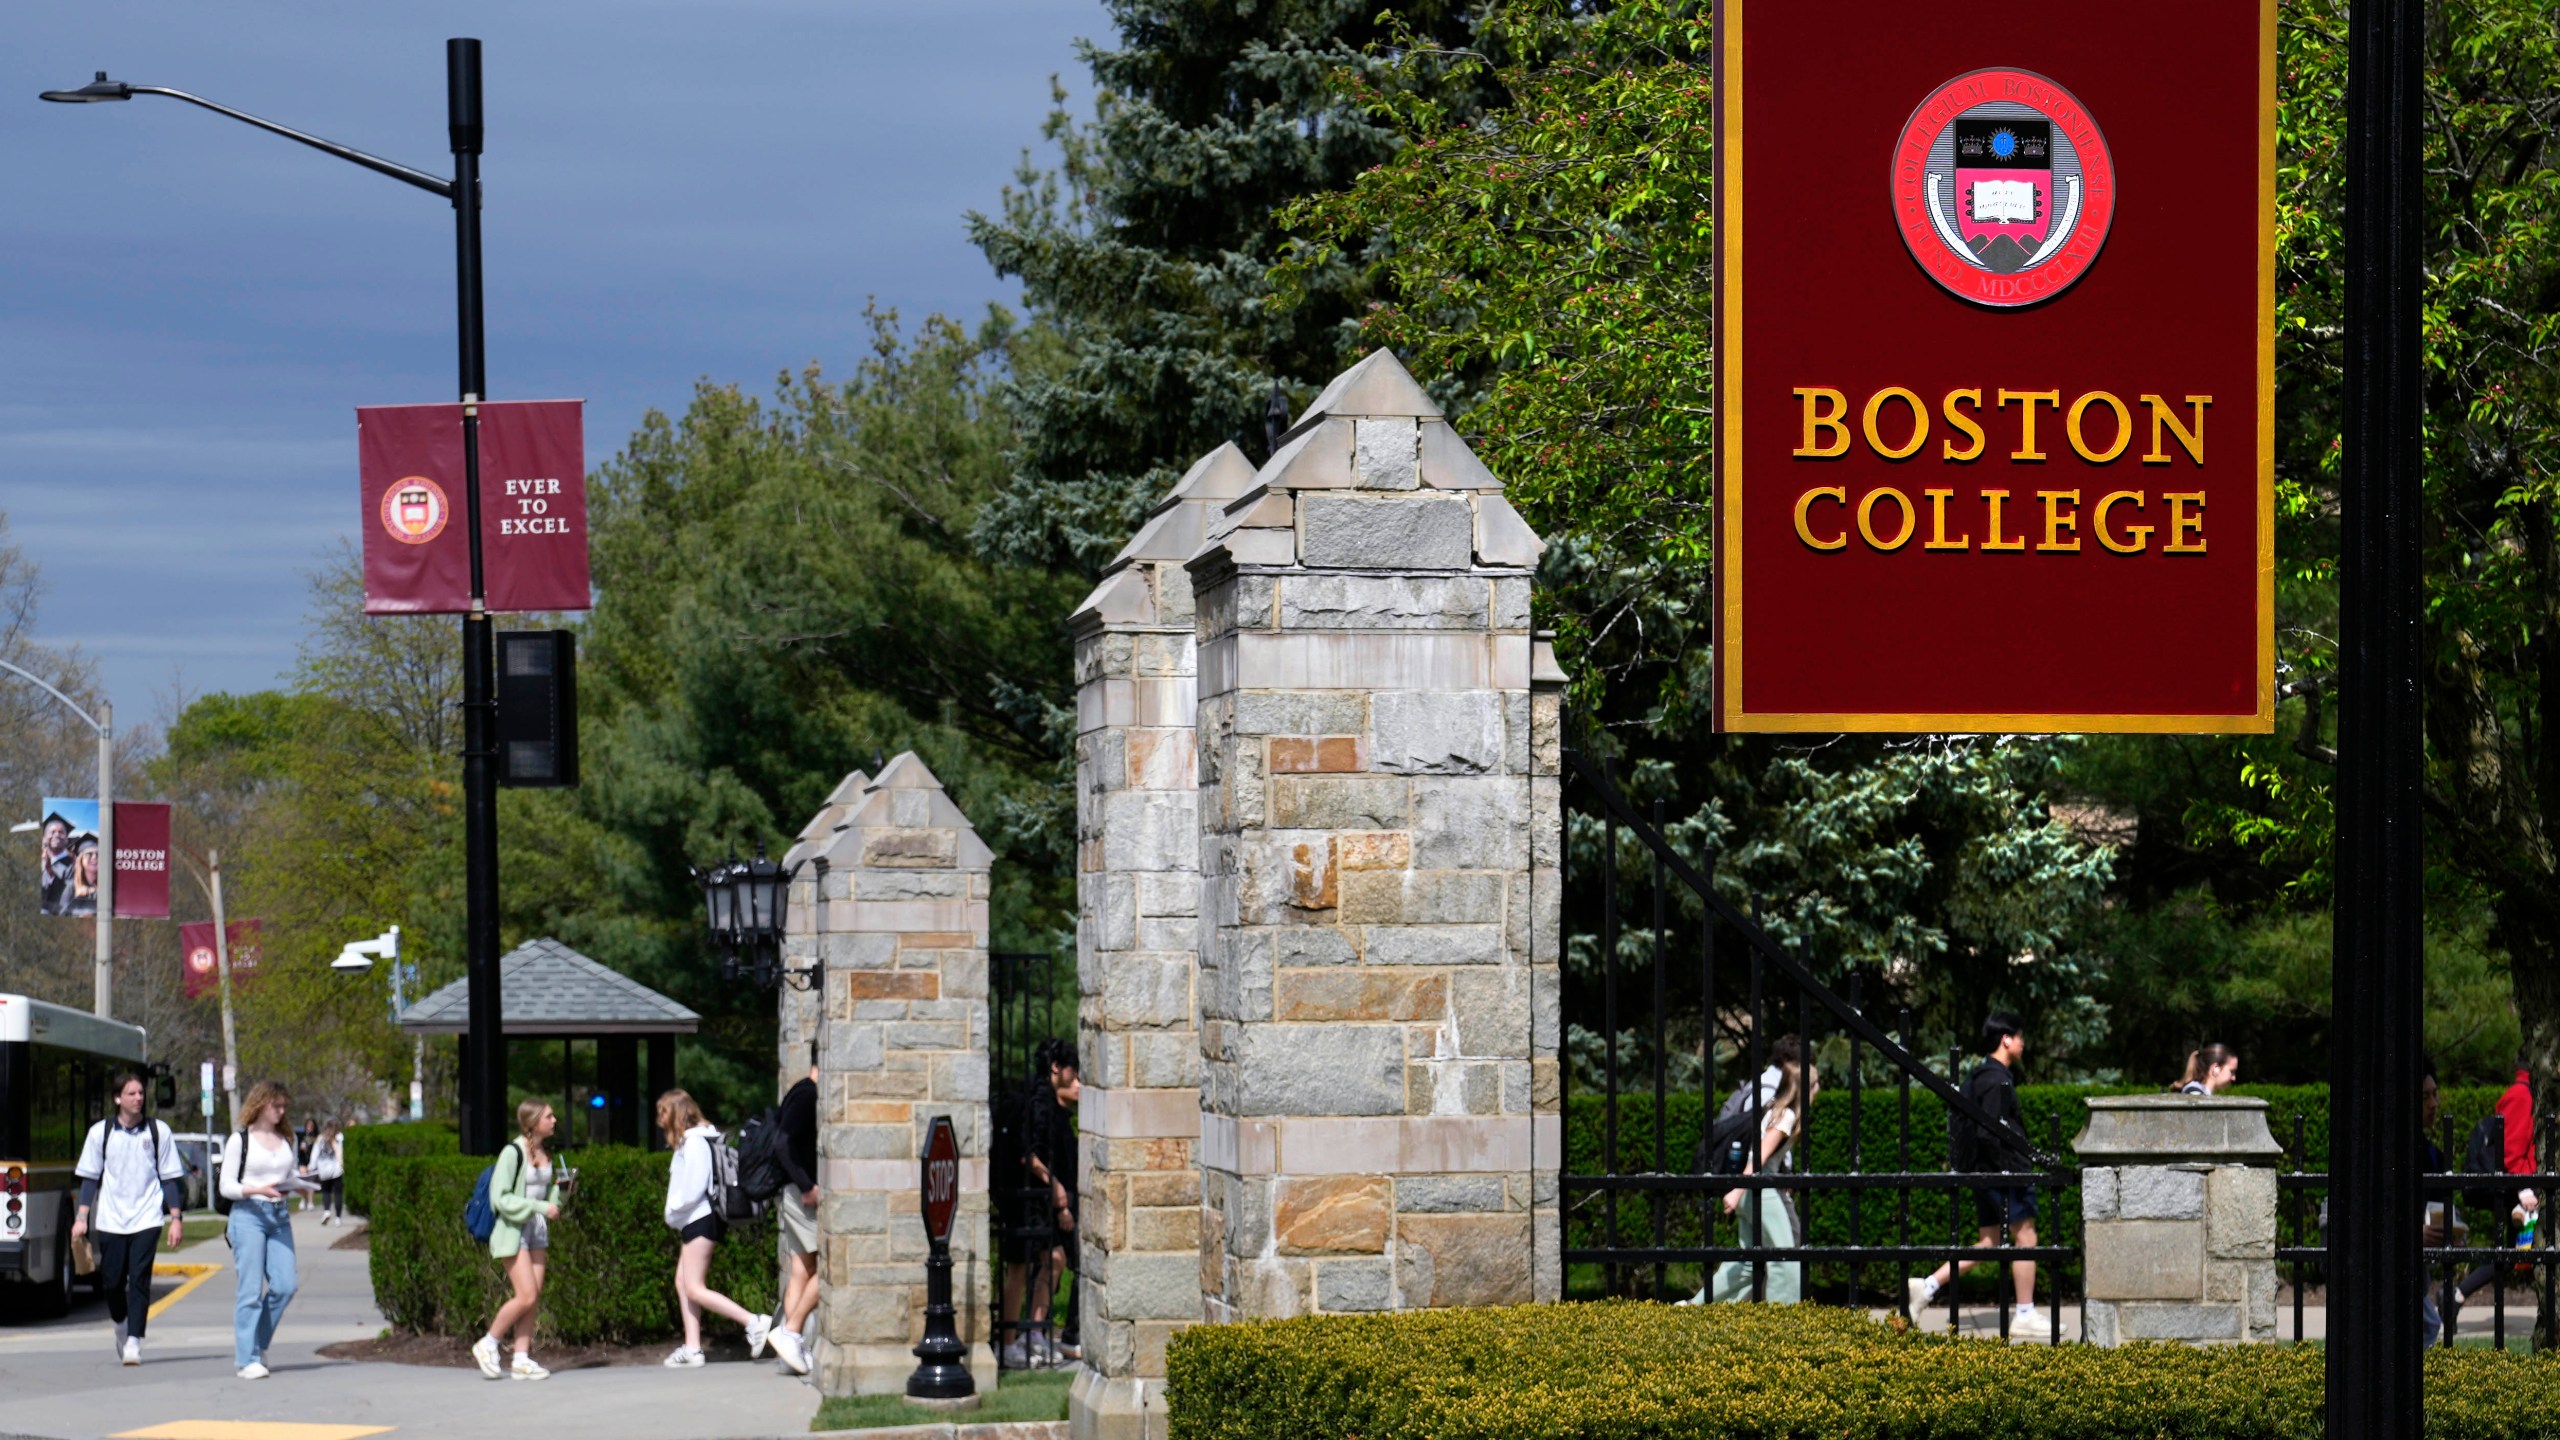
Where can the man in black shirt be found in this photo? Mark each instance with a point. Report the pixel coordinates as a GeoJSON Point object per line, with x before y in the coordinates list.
{"type": "Point", "coordinates": [798, 1121]}
{"type": "Point", "coordinates": [1994, 1086]}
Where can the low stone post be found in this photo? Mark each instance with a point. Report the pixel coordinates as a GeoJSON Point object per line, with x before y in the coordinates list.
{"type": "Point", "coordinates": [2178, 1206]}
{"type": "Point", "coordinates": [896, 906]}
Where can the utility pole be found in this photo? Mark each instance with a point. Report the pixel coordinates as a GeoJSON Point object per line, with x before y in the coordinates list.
{"type": "Point", "coordinates": [2378, 968]}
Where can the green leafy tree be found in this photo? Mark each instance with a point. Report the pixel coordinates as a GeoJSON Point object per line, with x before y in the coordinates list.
{"type": "Point", "coordinates": [1546, 263]}
{"type": "Point", "coordinates": [788, 591]}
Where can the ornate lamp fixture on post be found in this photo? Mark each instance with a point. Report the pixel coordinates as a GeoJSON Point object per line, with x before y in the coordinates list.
{"type": "Point", "coordinates": [745, 901]}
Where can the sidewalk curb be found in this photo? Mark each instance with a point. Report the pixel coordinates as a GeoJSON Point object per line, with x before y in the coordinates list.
{"type": "Point", "coordinates": [984, 1431]}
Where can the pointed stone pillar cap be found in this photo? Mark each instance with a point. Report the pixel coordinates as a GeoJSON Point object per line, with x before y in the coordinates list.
{"type": "Point", "coordinates": [1378, 385]}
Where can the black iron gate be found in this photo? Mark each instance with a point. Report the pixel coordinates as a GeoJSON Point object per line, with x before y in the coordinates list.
{"type": "Point", "coordinates": [1031, 1001]}
{"type": "Point", "coordinates": [1667, 994]}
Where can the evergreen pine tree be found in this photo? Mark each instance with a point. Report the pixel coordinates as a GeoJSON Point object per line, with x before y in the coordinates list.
{"type": "Point", "coordinates": [1147, 250]}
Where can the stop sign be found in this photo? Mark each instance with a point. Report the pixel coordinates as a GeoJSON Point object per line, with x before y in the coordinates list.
{"type": "Point", "coordinates": [941, 1179]}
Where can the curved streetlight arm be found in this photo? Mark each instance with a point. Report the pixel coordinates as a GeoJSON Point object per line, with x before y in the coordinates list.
{"type": "Point", "coordinates": [435, 184]}
{"type": "Point", "coordinates": [24, 674]}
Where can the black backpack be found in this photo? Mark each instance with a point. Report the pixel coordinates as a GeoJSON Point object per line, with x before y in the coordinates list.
{"type": "Point", "coordinates": [235, 1153]}
{"type": "Point", "coordinates": [729, 1199]}
{"type": "Point", "coordinates": [2481, 1155]}
{"type": "Point", "coordinates": [1726, 1147]}
{"type": "Point", "coordinates": [760, 1142]}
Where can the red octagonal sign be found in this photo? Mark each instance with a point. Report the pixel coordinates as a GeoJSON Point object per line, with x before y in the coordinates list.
{"type": "Point", "coordinates": [941, 1179]}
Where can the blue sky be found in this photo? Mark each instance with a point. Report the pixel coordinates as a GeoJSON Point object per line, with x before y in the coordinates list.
{"type": "Point", "coordinates": [192, 309]}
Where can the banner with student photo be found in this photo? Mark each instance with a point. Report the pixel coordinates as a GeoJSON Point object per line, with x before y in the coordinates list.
{"type": "Point", "coordinates": [244, 945]}
{"type": "Point", "coordinates": [68, 859]}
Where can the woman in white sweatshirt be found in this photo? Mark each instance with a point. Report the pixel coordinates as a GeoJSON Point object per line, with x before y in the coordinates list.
{"type": "Point", "coordinates": [257, 1173]}
{"type": "Point", "coordinates": [693, 1215]}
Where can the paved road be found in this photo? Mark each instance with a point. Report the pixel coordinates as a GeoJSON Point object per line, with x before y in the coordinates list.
{"type": "Point", "coordinates": [61, 1381]}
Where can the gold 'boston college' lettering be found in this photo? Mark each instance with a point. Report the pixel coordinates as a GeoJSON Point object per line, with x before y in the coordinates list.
{"type": "Point", "coordinates": [1895, 422]}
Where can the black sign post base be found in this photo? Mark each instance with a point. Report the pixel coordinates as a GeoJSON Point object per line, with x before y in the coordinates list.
{"type": "Point", "coordinates": [942, 1370]}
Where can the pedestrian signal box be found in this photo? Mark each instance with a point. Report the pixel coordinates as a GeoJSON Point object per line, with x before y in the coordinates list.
{"type": "Point", "coordinates": [537, 708]}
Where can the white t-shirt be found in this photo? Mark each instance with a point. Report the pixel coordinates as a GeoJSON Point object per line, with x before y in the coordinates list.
{"type": "Point", "coordinates": [129, 1166]}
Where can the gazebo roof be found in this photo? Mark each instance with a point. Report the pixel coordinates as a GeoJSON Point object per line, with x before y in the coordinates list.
{"type": "Point", "coordinates": [549, 989]}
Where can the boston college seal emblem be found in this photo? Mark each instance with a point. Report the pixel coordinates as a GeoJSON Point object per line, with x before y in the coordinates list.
{"type": "Point", "coordinates": [2002, 187]}
{"type": "Point", "coordinates": [414, 510]}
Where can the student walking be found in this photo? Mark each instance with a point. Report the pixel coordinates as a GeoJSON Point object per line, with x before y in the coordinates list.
{"type": "Point", "coordinates": [2208, 1071]}
{"type": "Point", "coordinates": [131, 1186]}
{"type": "Point", "coordinates": [1768, 1216]}
{"type": "Point", "coordinates": [699, 1228]}
{"type": "Point", "coordinates": [1993, 1085]}
{"type": "Point", "coordinates": [522, 1194]}
{"type": "Point", "coordinates": [329, 1172]}
{"type": "Point", "coordinates": [798, 1122]}
{"type": "Point", "coordinates": [257, 1174]}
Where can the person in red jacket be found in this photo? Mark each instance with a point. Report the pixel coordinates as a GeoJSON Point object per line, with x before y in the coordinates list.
{"type": "Point", "coordinates": [2515, 1108]}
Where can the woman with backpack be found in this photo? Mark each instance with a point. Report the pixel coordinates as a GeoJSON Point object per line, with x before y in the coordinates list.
{"type": "Point", "coordinates": [520, 1192]}
{"type": "Point", "coordinates": [329, 1170]}
{"type": "Point", "coordinates": [693, 1211]}
{"type": "Point", "coordinates": [130, 1178]}
{"type": "Point", "coordinates": [1768, 1216]}
{"type": "Point", "coordinates": [257, 1174]}
{"type": "Point", "coordinates": [2208, 1071]}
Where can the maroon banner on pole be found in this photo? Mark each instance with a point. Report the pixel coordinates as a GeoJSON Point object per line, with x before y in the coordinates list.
{"type": "Point", "coordinates": [533, 504]}
{"type": "Point", "coordinates": [417, 556]}
{"type": "Point", "coordinates": [203, 966]}
{"type": "Point", "coordinates": [142, 860]}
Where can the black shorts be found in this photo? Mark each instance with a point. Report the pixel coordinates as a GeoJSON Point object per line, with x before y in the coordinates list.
{"type": "Point", "coordinates": [709, 1227]}
{"type": "Point", "coordinates": [1994, 1206]}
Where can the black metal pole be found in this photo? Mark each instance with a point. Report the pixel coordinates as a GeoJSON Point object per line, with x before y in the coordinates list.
{"type": "Point", "coordinates": [2376, 1271]}
{"type": "Point", "coordinates": [484, 1124]}
{"type": "Point", "coordinates": [942, 1360]}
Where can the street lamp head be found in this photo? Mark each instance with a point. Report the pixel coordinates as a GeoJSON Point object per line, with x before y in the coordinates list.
{"type": "Point", "coordinates": [92, 93]}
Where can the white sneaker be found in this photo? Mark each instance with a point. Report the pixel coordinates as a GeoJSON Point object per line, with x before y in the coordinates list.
{"type": "Point", "coordinates": [254, 1370]}
{"type": "Point", "coordinates": [759, 1331]}
{"type": "Point", "coordinates": [684, 1357]}
{"type": "Point", "coordinates": [1917, 1290]}
{"type": "Point", "coordinates": [484, 1353]}
{"type": "Point", "coordinates": [328, 1219]}
{"type": "Point", "coordinates": [132, 1350]}
{"type": "Point", "coordinates": [1016, 1356]}
{"type": "Point", "coordinates": [794, 1355]}
{"type": "Point", "coordinates": [2030, 1325]}
{"type": "Point", "coordinates": [524, 1368]}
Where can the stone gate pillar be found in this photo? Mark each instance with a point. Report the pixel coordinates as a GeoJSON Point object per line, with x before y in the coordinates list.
{"type": "Point", "coordinates": [2178, 1212]}
{"type": "Point", "coordinates": [1378, 985]}
{"type": "Point", "coordinates": [1137, 949]}
{"type": "Point", "coordinates": [893, 902]}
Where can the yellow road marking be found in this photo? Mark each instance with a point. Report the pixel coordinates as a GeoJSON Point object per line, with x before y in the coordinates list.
{"type": "Point", "coordinates": [251, 1430]}
{"type": "Point", "coordinates": [196, 1275]}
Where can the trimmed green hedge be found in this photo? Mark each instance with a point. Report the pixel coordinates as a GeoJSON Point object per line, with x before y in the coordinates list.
{"type": "Point", "coordinates": [612, 1265]}
{"type": "Point", "coordinates": [369, 1145]}
{"type": "Point", "coordinates": [1827, 1148]}
{"type": "Point", "coordinates": [1619, 1371]}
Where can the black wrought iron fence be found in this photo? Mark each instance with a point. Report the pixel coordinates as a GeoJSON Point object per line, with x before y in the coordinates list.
{"type": "Point", "coordinates": [1031, 1000]}
{"type": "Point", "coordinates": [2462, 1207]}
{"type": "Point", "coordinates": [1643, 1217]}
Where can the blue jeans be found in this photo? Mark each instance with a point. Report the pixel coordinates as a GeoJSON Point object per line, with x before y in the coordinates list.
{"type": "Point", "coordinates": [262, 1251]}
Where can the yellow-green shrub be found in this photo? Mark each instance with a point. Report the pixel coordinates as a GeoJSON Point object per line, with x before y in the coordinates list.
{"type": "Point", "coordinates": [1624, 1371]}
{"type": "Point", "coordinates": [613, 1259]}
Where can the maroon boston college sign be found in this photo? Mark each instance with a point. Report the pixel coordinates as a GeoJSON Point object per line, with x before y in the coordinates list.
{"type": "Point", "coordinates": [941, 1179]}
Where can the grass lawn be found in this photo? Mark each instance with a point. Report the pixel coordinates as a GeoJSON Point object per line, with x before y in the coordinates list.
{"type": "Point", "coordinates": [201, 1228]}
{"type": "Point", "coordinates": [1020, 1397]}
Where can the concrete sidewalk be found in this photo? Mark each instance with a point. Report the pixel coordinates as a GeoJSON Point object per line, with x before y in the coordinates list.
{"type": "Point", "coordinates": [62, 1381]}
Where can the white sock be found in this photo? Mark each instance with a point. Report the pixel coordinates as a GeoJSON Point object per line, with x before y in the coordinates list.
{"type": "Point", "coordinates": [2027, 1309]}
{"type": "Point", "coordinates": [1929, 1288]}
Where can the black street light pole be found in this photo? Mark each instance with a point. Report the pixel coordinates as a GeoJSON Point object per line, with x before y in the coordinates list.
{"type": "Point", "coordinates": [2377, 1271]}
{"type": "Point", "coordinates": [482, 1120]}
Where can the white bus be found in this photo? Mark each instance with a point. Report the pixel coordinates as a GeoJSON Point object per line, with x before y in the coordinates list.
{"type": "Point", "coordinates": [55, 1064]}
